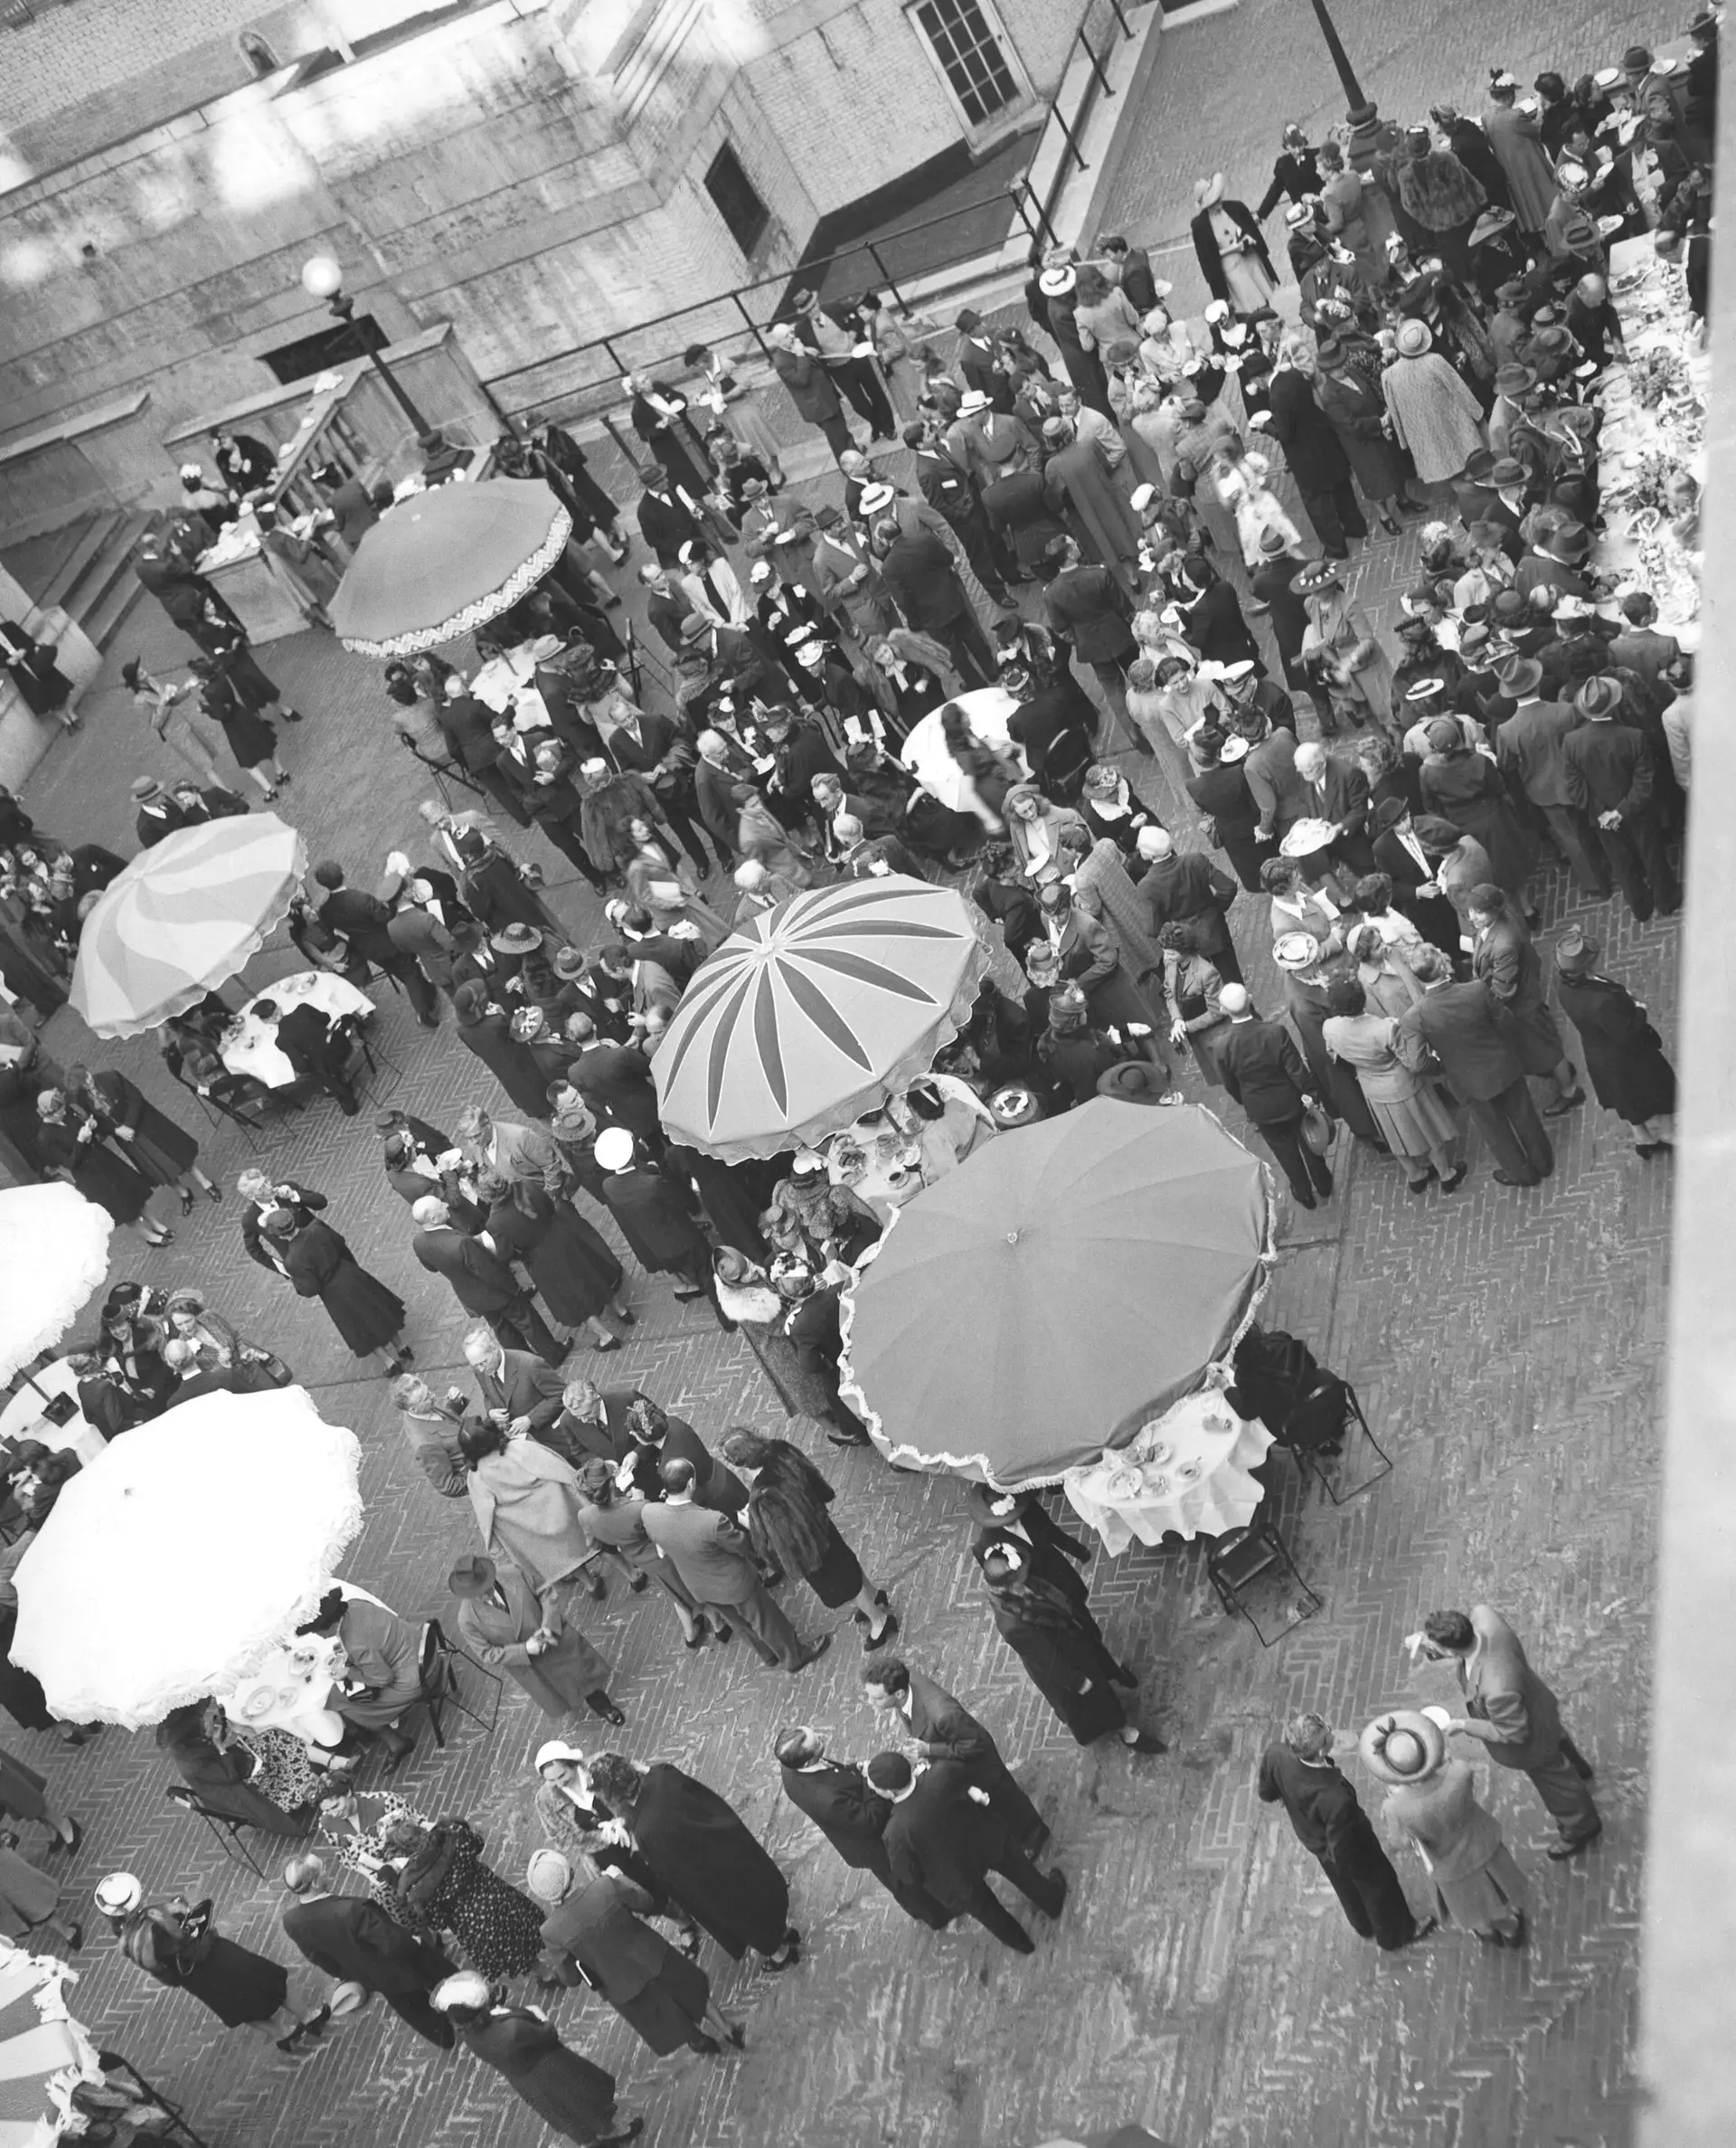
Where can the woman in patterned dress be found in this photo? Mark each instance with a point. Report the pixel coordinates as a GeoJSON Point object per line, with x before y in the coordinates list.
{"type": "Point", "coordinates": [357, 1824]}
{"type": "Point", "coordinates": [446, 1883]}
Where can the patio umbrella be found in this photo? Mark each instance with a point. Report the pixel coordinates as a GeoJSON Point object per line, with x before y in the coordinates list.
{"type": "Point", "coordinates": [45, 2053]}
{"type": "Point", "coordinates": [173, 1563]}
{"type": "Point", "coordinates": [444, 562]}
{"type": "Point", "coordinates": [1063, 1285]}
{"type": "Point", "coordinates": [183, 915]}
{"type": "Point", "coordinates": [817, 1011]}
{"type": "Point", "coordinates": [54, 1253]}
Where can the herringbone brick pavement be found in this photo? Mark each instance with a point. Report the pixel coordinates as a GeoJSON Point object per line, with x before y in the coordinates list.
{"type": "Point", "coordinates": [1506, 1346]}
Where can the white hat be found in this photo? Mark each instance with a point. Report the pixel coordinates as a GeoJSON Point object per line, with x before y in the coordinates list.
{"type": "Point", "coordinates": [119, 1893]}
{"type": "Point", "coordinates": [548, 1876]}
{"type": "Point", "coordinates": [1161, 288]}
{"type": "Point", "coordinates": [556, 1749]}
{"type": "Point", "coordinates": [190, 470]}
{"type": "Point", "coordinates": [1606, 78]}
{"type": "Point", "coordinates": [349, 1997]}
{"type": "Point", "coordinates": [1302, 838]}
{"type": "Point", "coordinates": [760, 571]}
{"type": "Point", "coordinates": [1234, 748]}
{"type": "Point", "coordinates": [466, 1989]}
{"type": "Point", "coordinates": [1208, 193]}
{"type": "Point", "coordinates": [614, 1148]}
{"type": "Point", "coordinates": [1055, 283]}
{"type": "Point", "coordinates": [1237, 671]}
{"type": "Point", "coordinates": [876, 499]}
{"type": "Point", "coordinates": [1217, 309]}
{"type": "Point", "coordinates": [1142, 497]}
{"type": "Point", "coordinates": [972, 401]}
{"type": "Point", "coordinates": [1297, 214]}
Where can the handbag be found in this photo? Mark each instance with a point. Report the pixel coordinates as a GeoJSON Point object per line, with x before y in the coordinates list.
{"type": "Point", "coordinates": [1317, 1128]}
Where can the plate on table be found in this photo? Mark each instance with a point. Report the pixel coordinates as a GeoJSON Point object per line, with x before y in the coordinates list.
{"type": "Point", "coordinates": [1158, 1451]}
{"type": "Point", "coordinates": [1609, 224]}
{"type": "Point", "coordinates": [1189, 1472]}
{"type": "Point", "coordinates": [1629, 280]}
{"type": "Point", "coordinates": [1125, 1485]}
{"type": "Point", "coordinates": [1156, 1487]}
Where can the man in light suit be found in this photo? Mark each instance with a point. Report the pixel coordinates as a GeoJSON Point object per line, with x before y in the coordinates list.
{"type": "Point", "coordinates": [525, 1155]}
{"type": "Point", "coordinates": [349, 1938]}
{"type": "Point", "coordinates": [1463, 1031]}
{"type": "Point", "coordinates": [1514, 1715]}
{"type": "Point", "coordinates": [715, 1558]}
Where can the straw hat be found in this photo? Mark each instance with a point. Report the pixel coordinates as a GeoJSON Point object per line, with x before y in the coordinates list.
{"type": "Point", "coordinates": [1403, 1746]}
{"type": "Point", "coordinates": [1055, 283]}
{"type": "Point", "coordinates": [1414, 339]}
{"type": "Point", "coordinates": [1208, 193]}
{"type": "Point", "coordinates": [1575, 954]}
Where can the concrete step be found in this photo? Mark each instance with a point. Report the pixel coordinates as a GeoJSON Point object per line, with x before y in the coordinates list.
{"type": "Point", "coordinates": [109, 588]}
{"type": "Point", "coordinates": [97, 534]}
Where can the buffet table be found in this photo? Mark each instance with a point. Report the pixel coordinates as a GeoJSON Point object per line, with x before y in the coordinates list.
{"type": "Point", "coordinates": [1654, 428]}
{"type": "Point", "coordinates": [1186, 1473]}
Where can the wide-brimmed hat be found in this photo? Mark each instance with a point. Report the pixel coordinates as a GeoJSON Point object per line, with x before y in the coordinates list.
{"type": "Point", "coordinates": [1599, 698]}
{"type": "Point", "coordinates": [1489, 224]}
{"type": "Point", "coordinates": [876, 499]}
{"type": "Point", "coordinates": [515, 940]}
{"type": "Point", "coordinates": [1208, 193]}
{"type": "Point", "coordinates": [979, 1499]}
{"type": "Point", "coordinates": [1319, 574]}
{"type": "Point", "coordinates": [1329, 349]}
{"type": "Point", "coordinates": [613, 1148]}
{"type": "Point", "coordinates": [1414, 339]}
{"type": "Point", "coordinates": [1295, 950]}
{"type": "Point", "coordinates": [1572, 541]}
{"type": "Point", "coordinates": [1514, 379]}
{"type": "Point", "coordinates": [1306, 836]}
{"type": "Point", "coordinates": [1519, 675]}
{"type": "Point", "coordinates": [568, 962]}
{"type": "Point", "coordinates": [1554, 341]}
{"type": "Point", "coordinates": [1508, 470]}
{"type": "Point", "coordinates": [473, 1576]}
{"type": "Point", "coordinates": [1403, 1746]}
{"type": "Point", "coordinates": [1055, 283]}
{"type": "Point", "coordinates": [1389, 812]}
{"type": "Point", "coordinates": [1574, 953]}
{"type": "Point", "coordinates": [972, 401]}
{"type": "Point", "coordinates": [1234, 748]}
{"type": "Point", "coordinates": [1136, 1081]}
{"type": "Point", "coordinates": [1423, 690]}
{"type": "Point", "coordinates": [1297, 214]}
{"type": "Point", "coordinates": [1273, 544]}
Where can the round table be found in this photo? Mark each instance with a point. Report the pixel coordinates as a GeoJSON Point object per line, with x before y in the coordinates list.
{"type": "Point", "coordinates": [249, 1047]}
{"type": "Point", "coordinates": [1196, 1482]}
{"type": "Point", "coordinates": [23, 1419]}
{"type": "Point", "coordinates": [292, 1689]}
{"type": "Point", "coordinates": [985, 710]}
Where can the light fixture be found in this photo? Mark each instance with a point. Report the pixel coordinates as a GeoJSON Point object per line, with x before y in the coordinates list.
{"type": "Point", "coordinates": [321, 277]}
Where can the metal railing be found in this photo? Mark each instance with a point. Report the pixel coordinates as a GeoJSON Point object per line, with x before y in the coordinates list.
{"type": "Point", "coordinates": [1106, 22]}
{"type": "Point", "coordinates": [583, 376]}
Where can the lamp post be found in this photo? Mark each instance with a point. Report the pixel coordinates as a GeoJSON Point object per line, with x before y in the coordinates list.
{"type": "Point", "coordinates": [1354, 89]}
{"type": "Point", "coordinates": [323, 278]}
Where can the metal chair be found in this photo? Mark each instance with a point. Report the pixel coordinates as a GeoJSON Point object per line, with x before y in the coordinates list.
{"type": "Point", "coordinates": [224, 1825]}
{"type": "Point", "coordinates": [1318, 1457]}
{"type": "Point", "coordinates": [1241, 1557]}
{"type": "Point", "coordinates": [112, 2062]}
{"type": "Point", "coordinates": [437, 1662]}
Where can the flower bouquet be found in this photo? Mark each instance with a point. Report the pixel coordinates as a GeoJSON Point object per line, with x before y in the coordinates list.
{"type": "Point", "coordinates": [1658, 376]}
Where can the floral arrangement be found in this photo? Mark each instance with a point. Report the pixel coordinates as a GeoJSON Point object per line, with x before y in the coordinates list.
{"type": "Point", "coordinates": [1658, 376]}
{"type": "Point", "coordinates": [1647, 486]}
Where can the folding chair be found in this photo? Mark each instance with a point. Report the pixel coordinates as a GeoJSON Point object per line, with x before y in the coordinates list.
{"type": "Point", "coordinates": [437, 1662]}
{"type": "Point", "coordinates": [112, 2062]}
{"type": "Point", "coordinates": [1323, 1458]}
{"type": "Point", "coordinates": [1241, 1557]}
{"type": "Point", "coordinates": [224, 1825]}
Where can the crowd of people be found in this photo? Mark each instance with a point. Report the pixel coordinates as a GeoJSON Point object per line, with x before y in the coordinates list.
{"type": "Point", "coordinates": [1120, 508]}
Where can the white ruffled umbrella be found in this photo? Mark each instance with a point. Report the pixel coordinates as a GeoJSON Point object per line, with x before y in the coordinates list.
{"type": "Point", "coordinates": [54, 1253]}
{"type": "Point", "coordinates": [175, 1563]}
{"type": "Point", "coordinates": [45, 2053]}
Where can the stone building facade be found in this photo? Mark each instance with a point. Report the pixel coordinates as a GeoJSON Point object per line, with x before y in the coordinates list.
{"type": "Point", "coordinates": [536, 172]}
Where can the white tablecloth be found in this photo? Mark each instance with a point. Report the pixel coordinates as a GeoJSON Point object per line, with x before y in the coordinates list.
{"type": "Point", "coordinates": [23, 1419]}
{"type": "Point", "coordinates": [985, 711]}
{"type": "Point", "coordinates": [248, 1047]}
{"type": "Point", "coordinates": [292, 1688]}
{"type": "Point", "coordinates": [1196, 1482]}
{"type": "Point", "coordinates": [501, 679]}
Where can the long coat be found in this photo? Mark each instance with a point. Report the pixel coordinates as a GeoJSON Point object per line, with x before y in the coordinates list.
{"type": "Point", "coordinates": [658, 1231]}
{"type": "Point", "coordinates": [569, 1262]}
{"type": "Point", "coordinates": [1309, 439]}
{"type": "Point", "coordinates": [159, 1148]}
{"type": "Point", "coordinates": [351, 1939]}
{"type": "Point", "coordinates": [1517, 139]}
{"type": "Point", "coordinates": [510, 1063]}
{"type": "Point", "coordinates": [571, 2097]}
{"type": "Point", "coordinates": [705, 1858]}
{"type": "Point", "coordinates": [526, 1505]}
{"type": "Point", "coordinates": [1069, 1666]}
{"type": "Point", "coordinates": [1357, 412]}
{"type": "Point", "coordinates": [1467, 789]}
{"type": "Point", "coordinates": [660, 1995]}
{"type": "Point", "coordinates": [1623, 1054]}
{"type": "Point", "coordinates": [1434, 415]}
{"type": "Point", "coordinates": [1075, 480]}
{"type": "Point", "coordinates": [560, 1679]}
{"type": "Point", "coordinates": [1504, 954]}
{"type": "Point", "coordinates": [364, 1310]}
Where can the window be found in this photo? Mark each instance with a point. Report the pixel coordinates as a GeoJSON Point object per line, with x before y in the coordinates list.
{"type": "Point", "coordinates": [257, 54]}
{"type": "Point", "coordinates": [738, 203]}
{"type": "Point", "coordinates": [336, 346]}
{"type": "Point", "coordinates": [970, 56]}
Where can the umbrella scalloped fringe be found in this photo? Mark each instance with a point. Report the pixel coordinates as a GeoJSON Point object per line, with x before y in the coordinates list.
{"type": "Point", "coordinates": [178, 1003]}
{"type": "Point", "coordinates": [48, 1997]}
{"type": "Point", "coordinates": [519, 583]}
{"type": "Point", "coordinates": [16, 1355]}
{"type": "Point", "coordinates": [1216, 1375]}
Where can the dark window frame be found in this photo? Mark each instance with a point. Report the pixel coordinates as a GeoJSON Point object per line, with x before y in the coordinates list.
{"type": "Point", "coordinates": [737, 199]}
{"type": "Point", "coordinates": [967, 48]}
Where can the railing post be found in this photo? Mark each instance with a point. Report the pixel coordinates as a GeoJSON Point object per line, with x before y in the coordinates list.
{"type": "Point", "coordinates": [1067, 135]}
{"type": "Point", "coordinates": [1126, 27]}
{"type": "Point", "coordinates": [1097, 66]}
{"type": "Point", "coordinates": [886, 276]}
{"type": "Point", "coordinates": [1045, 230]}
{"type": "Point", "coordinates": [753, 326]}
{"type": "Point", "coordinates": [614, 356]}
{"type": "Point", "coordinates": [635, 455]}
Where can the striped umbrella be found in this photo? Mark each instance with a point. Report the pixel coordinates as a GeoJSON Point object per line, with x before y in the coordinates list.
{"type": "Point", "coordinates": [815, 1012]}
{"type": "Point", "coordinates": [45, 2053]}
{"type": "Point", "coordinates": [442, 563]}
{"type": "Point", "coordinates": [184, 915]}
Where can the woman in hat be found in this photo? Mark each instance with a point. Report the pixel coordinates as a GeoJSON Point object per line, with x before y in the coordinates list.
{"type": "Point", "coordinates": [70, 1145]}
{"type": "Point", "coordinates": [1432, 1800]}
{"type": "Point", "coordinates": [446, 1887]}
{"type": "Point", "coordinates": [317, 1262]}
{"type": "Point", "coordinates": [1054, 1633]}
{"type": "Point", "coordinates": [177, 1945]}
{"type": "Point", "coordinates": [1516, 137]}
{"type": "Point", "coordinates": [526, 1500]}
{"type": "Point", "coordinates": [1418, 1129]}
{"type": "Point", "coordinates": [582, 1825]}
{"type": "Point", "coordinates": [1441, 200]}
{"type": "Point", "coordinates": [1459, 864]}
{"type": "Point", "coordinates": [224, 1775]}
{"type": "Point", "coordinates": [570, 1265]}
{"type": "Point", "coordinates": [252, 739]}
{"type": "Point", "coordinates": [1305, 897]}
{"type": "Point", "coordinates": [1432, 412]}
{"type": "Point", "coordinates": [1464, 786]}
{"type": "Point", "coordinates": [1347, 388]}
{"type": "Point", "coordinates": [149, 1139]}
{"type": "Point", "coordinates": [1624, 1054]}
{"type": "Point", "coordinates": [792, 1529]}
{"type": "Point", "coordinates": [1192, 985]}
{"type": "Point", "coordinates": [1356, 671]}
{"type": "Point", "coordinates": [486, 1028]}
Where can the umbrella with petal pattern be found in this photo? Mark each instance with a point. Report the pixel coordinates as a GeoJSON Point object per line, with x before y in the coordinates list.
{"type": "Point", "coordinates": [815, 1012]}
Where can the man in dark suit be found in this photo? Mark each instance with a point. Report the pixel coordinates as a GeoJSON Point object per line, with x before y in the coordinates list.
{"type": "Point", "coordinates": [662, 752]}
{"type": "Point", "coordinates": [918, 569]}
{"type": "Point", "coordinates": [1338, 792]}
{"type": "Point", "coordinates": [1287, 613]}
{"type": "Point", "coordinates": [1516, 1718]}
{"type": "Point", "coordinates": [594, 1422]}
{"type": "Point", "coordinates": [259, 1196]}
{"type": "Point", "coordinates": [1053, 727]}
{"type": "Point", "coordinates": [713, 1556]}
{"type": "Point", "coordinates": [481, 1281]}
{"type": "Point", "coordinates": [836, 1796]}
{"type": "Point", "coordinates": [664, 522]}
{"type": "Point", "coordinates": [470, 728]}
{"type": "Point", "coordinates": [1211, 617]}
{"type": "Point", "coordinates": [364, 923]}
{"type": "Point", "coordinates": [1463, 1031]}
{"type": "Point", "coordinates": [1529, 753]}
{"type": "Point", "coordinates": [655, 1439]}
{"type": "Point", "coordinates": [666, 605]}
{"type": "Point", "coordinates": [1263, 1071]}
{"type": "Point", "coordinates": [1020, 1517]}
{"type": "Point", "coordinates": [616, 1082]}
{"type": "Point", "coordinates": [945, 1836]}
{"type": "Point", "coordinates": [949, 490]}
{"type": "Point", "coordinates": [1301, 1775]}
{"type": "Point", "coordinates": [1609, 775]}
{"type": "Point", "coordinates": [316, 1048]}
{"type": "Point", "coordinates": [349, 1938]}
{"type": "Point", "coordinates": [1317, 460]}
{"type": "Point", "coordinates": [156, 814]}
{"type": "Point", "coordinates": [938, 1726]}
{"type": "Point", "coordinates": [1184, 887]}
{"type": "Point", "coordinates": [1220, 792]}
{"type": "Point", "coordinates": [1088, 610]}
{"type": "Point", "coordinates": [517, 1390]}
